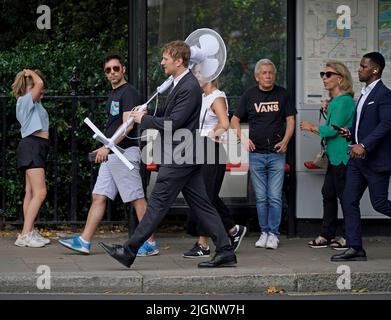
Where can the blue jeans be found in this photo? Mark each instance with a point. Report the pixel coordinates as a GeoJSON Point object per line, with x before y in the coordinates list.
{"type": "Point", "coordinates": [267, 177]}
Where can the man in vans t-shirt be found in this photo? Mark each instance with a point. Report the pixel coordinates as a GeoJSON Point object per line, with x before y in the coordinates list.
{"type": "Point", "coordinates": [271, 119]}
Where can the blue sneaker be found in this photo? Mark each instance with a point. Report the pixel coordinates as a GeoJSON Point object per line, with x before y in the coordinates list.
{"type": "Point", "coordinates": [76, 244]}
{"type": "Point", "coordinates": [148, 249]}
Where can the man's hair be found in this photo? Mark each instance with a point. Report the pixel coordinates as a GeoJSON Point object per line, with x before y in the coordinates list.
{"type": "Point", "coordinates": [377, 59]}
{"type": "Point", "coordinates": [111, 56]}
{"type": "Point", "coordinates": [178, 50]}
{"type": "Point", "coordinates": [346, 84]}
{"type": "Point", "coordinates": [263, 62]}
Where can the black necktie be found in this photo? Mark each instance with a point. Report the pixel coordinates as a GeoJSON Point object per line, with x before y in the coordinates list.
{"type": "Point", "coordinates": [171, 89]}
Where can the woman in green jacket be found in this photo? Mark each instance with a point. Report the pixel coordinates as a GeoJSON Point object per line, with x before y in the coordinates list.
{"type": "Point", "coordinates": [340, 110]}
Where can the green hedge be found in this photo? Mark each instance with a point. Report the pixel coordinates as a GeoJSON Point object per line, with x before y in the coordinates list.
{"type": "Point", "coordinates": [82, 33]}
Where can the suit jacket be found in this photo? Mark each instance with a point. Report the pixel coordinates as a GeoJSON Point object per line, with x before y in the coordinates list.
{"type": "Point", "coordinates": [374, 130]}
{"type": "Point", "coordinates": [182, 110]}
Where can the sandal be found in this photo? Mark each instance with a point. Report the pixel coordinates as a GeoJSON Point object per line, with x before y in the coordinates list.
{"type": "Point", "coordinates": [338, 244]}
{"type": "Point", "coordinates": [319, 242]}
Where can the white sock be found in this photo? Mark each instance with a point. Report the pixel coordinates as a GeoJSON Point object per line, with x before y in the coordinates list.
{"type": "Point", "coordinates": [204, 247]}
{"type": "Point", "coordinates": [82, 240]}
{"type": "Point", "coordinates": [153, 243]}
{"type": "Point", "coordinates": [234, 233]}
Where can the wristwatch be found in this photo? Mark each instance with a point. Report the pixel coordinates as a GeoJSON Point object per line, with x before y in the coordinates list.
{"type": "Point", "coordinates": [362, 145]}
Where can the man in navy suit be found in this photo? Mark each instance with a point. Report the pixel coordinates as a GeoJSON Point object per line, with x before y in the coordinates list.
{"type": "Point", "coordinates": [181, 111]}
{"type": "Point", "coordinates": [370, 152]}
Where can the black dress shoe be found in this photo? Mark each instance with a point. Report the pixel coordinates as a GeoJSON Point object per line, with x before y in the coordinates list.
{"type": "Point", "coordinates": [222, 259]}
{"type": "Point", "coordinates": [119, 253]}
{"type": "Point", "coordinates": [350, 255]}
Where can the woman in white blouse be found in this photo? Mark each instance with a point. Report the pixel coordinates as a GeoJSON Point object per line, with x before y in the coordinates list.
{"type": "Point", "coordinates": [214, 123]}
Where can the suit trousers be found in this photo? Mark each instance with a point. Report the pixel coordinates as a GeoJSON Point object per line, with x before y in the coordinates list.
{"type": "Point", "coordinates": [170, 181]}
{"type": "Point", "coordinates": [359, 176]}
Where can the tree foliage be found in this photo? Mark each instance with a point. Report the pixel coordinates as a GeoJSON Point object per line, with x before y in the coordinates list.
{"type": "Point", "coordinates": [81, 33]}
{"type": "Point", "coordinates": [251, 30]}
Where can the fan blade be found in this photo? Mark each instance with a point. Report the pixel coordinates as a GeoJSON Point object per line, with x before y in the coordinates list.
{"type": "Point", "coordinates": [101, 137]}
{"type": "Point", "coordinates": [98, 134]}
{"type": "Point", "coordinates": [209, 67]}
{"type": "Point", "coordinates": [209, 44]}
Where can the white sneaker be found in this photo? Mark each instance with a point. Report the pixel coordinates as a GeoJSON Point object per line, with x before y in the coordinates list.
{"type": "Point", "coordinates": [272, 241]}
{"type": "Point", "coordinates": [28, 240]}
{"type": "Point", "coordinates": [38, 236]}
{"type": "Point", "coordinates": [261, 243]}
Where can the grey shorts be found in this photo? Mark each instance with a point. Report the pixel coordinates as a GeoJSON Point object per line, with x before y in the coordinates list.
{"type": "Point", "coordinates": [114, 176]}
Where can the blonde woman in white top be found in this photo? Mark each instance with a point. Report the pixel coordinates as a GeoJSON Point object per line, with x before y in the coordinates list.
{"type": "Point", "coordinates": [213, 124]}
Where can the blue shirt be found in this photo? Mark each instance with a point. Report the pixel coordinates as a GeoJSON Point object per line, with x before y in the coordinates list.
{"type": "Point", "coordinates": [31, 115]}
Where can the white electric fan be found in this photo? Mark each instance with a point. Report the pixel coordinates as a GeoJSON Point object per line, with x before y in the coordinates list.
{"type": "Point", "coordinates": [207, 50]}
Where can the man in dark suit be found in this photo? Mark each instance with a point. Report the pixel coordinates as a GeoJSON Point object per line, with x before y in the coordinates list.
{"type": "Point", "coordinates": [177, 173]}
{"type": "Point", "coordinates": [370, 163]}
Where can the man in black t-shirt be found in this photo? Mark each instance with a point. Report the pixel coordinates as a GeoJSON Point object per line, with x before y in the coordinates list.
{"type": "Point", "coordinates": [113, 175]}
{"type": "Point", "coordinates": [271, 119]}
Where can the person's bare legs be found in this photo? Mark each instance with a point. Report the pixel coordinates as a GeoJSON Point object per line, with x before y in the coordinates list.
{"type": "Point", "coordinates": [27, 196]}
{"type": "Point", "coordinates": [140, 205]}
{"type": "Point", "coordinates": [204, 240]}
{"type": "Point", "coordinates": [95, 215]}
{"type": "Point", "coordinates": [97, 211]}
{"type": "Point", "coordinates": [35, 179]}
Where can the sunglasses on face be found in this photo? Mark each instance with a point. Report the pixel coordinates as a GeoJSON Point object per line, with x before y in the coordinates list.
{"type": "Point", "coordinates": [115, 69]}
{"type": "Point", "coordinates": [328, 74]}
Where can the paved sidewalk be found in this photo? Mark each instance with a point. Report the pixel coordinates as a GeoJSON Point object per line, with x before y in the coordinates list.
{"type": "Point", "coordinates": [294, 267]}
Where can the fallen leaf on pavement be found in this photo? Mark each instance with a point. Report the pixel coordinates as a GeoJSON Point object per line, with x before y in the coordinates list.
{"type": "Point", "coordinates": [274, 290]}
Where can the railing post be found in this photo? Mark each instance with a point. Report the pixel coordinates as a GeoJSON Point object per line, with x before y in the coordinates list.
{"type": "Point", "coordinates": [3, 144]}
{"type": "Point", "coordinates": [74, 82]}
{"type": "Point", "coordinates": [3, 150]}
{"type": "Point", "coordinates": [56, 174]}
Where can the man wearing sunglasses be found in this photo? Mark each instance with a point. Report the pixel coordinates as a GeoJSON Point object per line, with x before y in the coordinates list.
{"type": "Point", "coordinates": [370, 154]}
{"type": "Point", "coordinates": [113, 175]}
